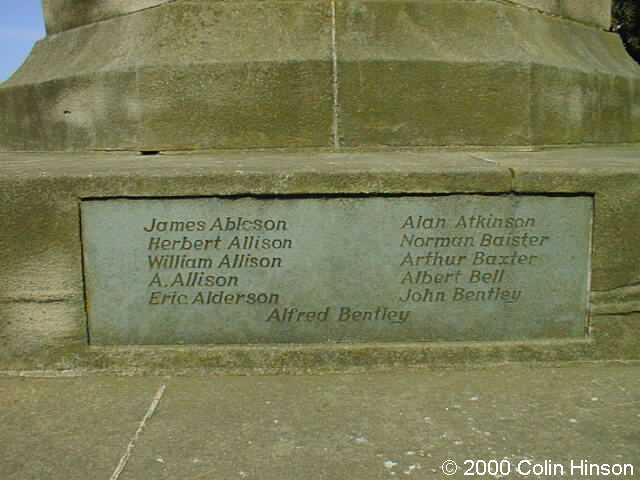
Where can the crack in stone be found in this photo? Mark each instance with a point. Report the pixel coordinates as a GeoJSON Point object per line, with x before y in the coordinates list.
{"type": "Point", "coordinates": [617, 301]}
{"type": "Point", "coordinates": [515, 4]}
{"type": "Point", "coordinates": [106, 19]}
{"type": "Point", "coordinates": [608, 313]}
{"type": "Point", "coordinates": [633, 285]}
{"type": "Point", "coordinates": [512, 171]}
{"type": "Point", "coordinates": [40, 299]}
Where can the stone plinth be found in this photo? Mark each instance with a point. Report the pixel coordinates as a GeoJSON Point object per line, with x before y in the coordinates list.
{"type": "Point", "coordinates": [333, 105]}
{"type": "Point", "coordinates": [43, 314]}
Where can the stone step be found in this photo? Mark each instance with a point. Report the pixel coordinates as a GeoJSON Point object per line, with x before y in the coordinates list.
{"type": "Point", "coordinates": [398, 424]}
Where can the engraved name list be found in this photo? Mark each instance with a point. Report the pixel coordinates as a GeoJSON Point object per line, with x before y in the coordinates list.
{"type": "Point", "coordinates": [304, 270]}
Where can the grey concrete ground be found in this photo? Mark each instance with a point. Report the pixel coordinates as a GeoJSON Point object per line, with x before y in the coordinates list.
{"type": "Point", "coordinates": [399, 424]}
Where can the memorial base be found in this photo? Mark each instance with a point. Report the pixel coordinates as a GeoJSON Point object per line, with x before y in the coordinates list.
{"type": "Point", "coordinates": [45, 309]}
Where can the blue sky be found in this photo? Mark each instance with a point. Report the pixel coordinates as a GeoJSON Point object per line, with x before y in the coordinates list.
{"type": "Point", "coordinates": [21, 24]}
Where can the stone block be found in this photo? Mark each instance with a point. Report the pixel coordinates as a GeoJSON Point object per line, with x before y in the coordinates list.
{"type": "Point", "coordinates": [185, 75]}
{"type": "Point", "coordinates": [198, 75]}
{"type": "Point", "coordinates": [43, 320]}
{"type": "Point", "coordinates": [450, 73]}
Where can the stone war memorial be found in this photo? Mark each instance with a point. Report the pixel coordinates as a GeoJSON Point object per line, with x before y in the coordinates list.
{"type": "Point", "coordinates": [272, 185]}
{"type": "Point", "coordinates": [322, 240]}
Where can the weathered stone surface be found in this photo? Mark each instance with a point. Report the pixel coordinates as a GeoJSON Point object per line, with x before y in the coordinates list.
{"type": "Point", "coordinates": [370, 426]}
{"type": "Point", "coordinates": [63, 15]}
{"type": "Point", "coordinates": [184, 75]}
{"type": "Point", "coordinates": [316, 270]}
{"type": "Point", "coordinates": [45, 189]}
{"type": "Point", "coordinates": [193, 75]}
{"type": "Point", "coordinates": [617, 301]}
{"type": "Point", "coordinates": [73, 428]}
{"type": "Point", "coordinates": [612, 175]}
{"type": "Point", "coordinates": [402, 424]}
{"type": "Point", "coordinates": [616, 336]}
{"type": "Point", "coordinates": [452, 73]}
{"type": "Point", "coordinates": [594, 12]}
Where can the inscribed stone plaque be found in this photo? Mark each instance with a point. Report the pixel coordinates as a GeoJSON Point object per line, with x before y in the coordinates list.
{"type": "Point", "coordinates": [336, 269]}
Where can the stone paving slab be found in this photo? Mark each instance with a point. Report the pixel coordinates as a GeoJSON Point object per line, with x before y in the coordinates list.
{"type": "Point", "coordinates": [403, 424]}
{"type": "Point", "coordinates": [398, 424]}
{"type": "Point", "coordinates": [68, 429]}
